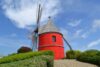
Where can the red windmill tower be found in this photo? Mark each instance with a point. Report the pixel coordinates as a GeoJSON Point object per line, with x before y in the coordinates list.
{"type": "Point", "coordinates": [51, 39]}
{"type": "Point", "coordinates": [48, 37]}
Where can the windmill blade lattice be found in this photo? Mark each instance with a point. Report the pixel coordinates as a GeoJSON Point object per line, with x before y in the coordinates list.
{"type": "Point", "coordinates": [33, 38]}
{"type": "Point", "coordinates": [35, 32]}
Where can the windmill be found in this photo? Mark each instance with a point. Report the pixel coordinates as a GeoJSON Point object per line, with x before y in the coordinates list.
{"type": "Point", "coordinates": [35, 34]}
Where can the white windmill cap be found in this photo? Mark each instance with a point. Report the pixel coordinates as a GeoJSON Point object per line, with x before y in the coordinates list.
{"type": "Point", "coordinates": [49, 27]}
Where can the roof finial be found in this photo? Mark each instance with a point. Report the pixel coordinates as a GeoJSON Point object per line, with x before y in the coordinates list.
{"type": "Point", "coordinates": [49, 17]}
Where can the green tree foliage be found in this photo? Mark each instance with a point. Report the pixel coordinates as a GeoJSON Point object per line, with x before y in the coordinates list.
{"type": "Point", "coordinates": [24, 50]}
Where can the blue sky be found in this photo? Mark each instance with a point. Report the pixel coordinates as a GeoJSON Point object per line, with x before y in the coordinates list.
{"type": "Point", "coordinates": [78, 20]}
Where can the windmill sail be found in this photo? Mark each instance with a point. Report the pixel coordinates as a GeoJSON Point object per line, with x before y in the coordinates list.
{"type": "Point", "coordinates": [34, 42]}
{"type": "Point", "coordinates": [35, 32]}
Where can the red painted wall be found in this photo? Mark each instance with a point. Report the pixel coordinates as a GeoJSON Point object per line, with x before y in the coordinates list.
{"type": "Point", "coordinates": [46, 43]}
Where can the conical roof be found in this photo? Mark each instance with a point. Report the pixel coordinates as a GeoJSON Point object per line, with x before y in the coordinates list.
{"type": "Point", "coordinates": [49, 27]}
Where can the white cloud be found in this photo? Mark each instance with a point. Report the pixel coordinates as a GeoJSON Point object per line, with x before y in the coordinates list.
{"type": "Point", "coordinates": [78, 33]}
{"type": "Point", "coordinates": [94, 43]}
{"type": "Point", "coordinates": [23, 12]}
{"type": "Point", "coordinates": [68, 35]}
{"type": "Point", "coordinates": [94, 27]}
{"type": "Point", "coordinates": [74, 23]}
{"type": "Point", "coordinates": [86, 34]}
{"type": "Point", "coordinates": [64, 32]}
{"type": "Point", "coordinates": [96, 24]}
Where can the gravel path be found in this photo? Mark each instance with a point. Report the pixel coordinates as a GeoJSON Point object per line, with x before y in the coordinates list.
{"type": "Point", "coordinates": [71, 63]}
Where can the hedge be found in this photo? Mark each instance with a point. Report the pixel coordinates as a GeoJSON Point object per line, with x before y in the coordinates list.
{"type": "Point", "coordinates": [23, 56]}
{"type": "Point", "coordinates": [93, 60]}
{"type": "Point", "coordinates": [33, 62]}
{"type": "Point", "coordinates": [72, 54]}
{"type": "Point", "coordinates": [49, 60]}
{"type": "Point", "coordinates": [91, 53]}
{"type": "Point", "coordinates": [90, 56]}
{"type": "Point", "coordinates": [38, 61]}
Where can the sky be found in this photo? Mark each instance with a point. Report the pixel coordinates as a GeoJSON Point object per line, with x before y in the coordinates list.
{"type": "Point", "coordinates": [78, 20]}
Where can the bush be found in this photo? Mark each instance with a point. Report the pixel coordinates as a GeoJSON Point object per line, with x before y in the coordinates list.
{"type": "Point", "coordinates": [93, 60]}
{"type": "Point", "coordinates": [90, 56]}
{"type": "Point", "coordinates": [24, 50]}
{"type": "Point", "coordinates": [23, 56]}
{"type": "Point", "coordinates": [33, 62]}
{"type": "Point", "coordinates": [72, 54]}
{"type": "Point", "coordinates": [49, 60]}
{"type": "Point", "coordinates": [98, 54]}
{"type": "Point", "coordinates": [38, 61]}
{"type": "Point", "coordinates": [91, 52]}
{"type": "Point", "coordinates": [12, 54]}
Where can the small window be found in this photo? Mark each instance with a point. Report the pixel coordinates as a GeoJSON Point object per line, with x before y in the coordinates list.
{"type": "Point", "coordinates": [54, 38]}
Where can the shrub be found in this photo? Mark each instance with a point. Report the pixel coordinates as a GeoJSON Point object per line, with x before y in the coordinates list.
{"type": "Point", "coordinates": [49, 60]}
{"type": "Point", "coordinates": [98, 54]}
{"type": "Point", "coordinates": [90, 56]}
{"type": "Point", "coordinates": [38, 61]}
{"type": "Point", "coordinates": [32, 62]}
{"type": "Point", "coordinates": [93, 60]}
{"type": "Point", "coordinates": [24, 50]}
{"type": "Point", "coordinates": [91, 52]}
{"type": "Point", "coordinates": [47, 53]}
{"type": "Point", "coordinates": [12, 54]}
{"type": "Point", "coordinates": [23, 56]}
{"type": "Point", "coordinates": [72, 54]}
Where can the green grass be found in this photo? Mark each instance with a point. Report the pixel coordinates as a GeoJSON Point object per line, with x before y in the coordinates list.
{"type": "Point", "coordinates": [30, 59]}
{"type": "Point", "coordinates": [32, 62]}
{"type": "Point", "coordinates": [22, 56]}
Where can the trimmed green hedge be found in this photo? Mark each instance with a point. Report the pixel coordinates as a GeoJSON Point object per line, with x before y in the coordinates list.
{"type": "Point", "coordinates": [90, 56]}
{"type": "Point", "coordinates": [38, 61]}
{"type": "Point", "coordinates": [49, 60]}
{"type": "Point", "coordinates": [72, 54]}
{"type": "Point", "coordinates": [93, 60]}
{"type": "Point", "coordinates": [32, 62]}
{"type": "Point", "coordinates": [91, 53]}
{"type": "Point", "coordinates": [23, 56]}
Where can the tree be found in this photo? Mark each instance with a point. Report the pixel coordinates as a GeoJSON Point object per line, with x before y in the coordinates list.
{"type": "Point", "coordinates": [24, 49]}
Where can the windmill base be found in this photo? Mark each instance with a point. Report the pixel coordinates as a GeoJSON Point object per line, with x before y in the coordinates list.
{"type": "Point", "coordinates": [58, 51]}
